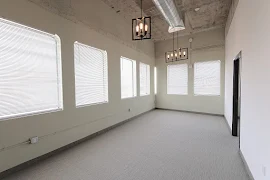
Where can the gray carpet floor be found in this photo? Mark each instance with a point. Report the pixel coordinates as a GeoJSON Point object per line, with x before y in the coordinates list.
{"type": "Point", "coordinates": [159, 145]}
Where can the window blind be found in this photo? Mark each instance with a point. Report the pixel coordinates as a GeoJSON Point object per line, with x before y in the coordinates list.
{"type": "Point", "coordinates": [128, 78]}
{"type": "Point", "coordinates": [144, 79]}
{"type": "Point", "coordinates": [207, 78]}
{"type": "Point", "coordinates": [177, 79]}
{"type": "Point", "coordinates": [30, 71]}
{"type": "Point", "coordinates": [91, 75]}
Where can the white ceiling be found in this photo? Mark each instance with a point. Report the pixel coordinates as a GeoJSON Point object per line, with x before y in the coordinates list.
{"type": "Point", "coordinates": [212, 14]}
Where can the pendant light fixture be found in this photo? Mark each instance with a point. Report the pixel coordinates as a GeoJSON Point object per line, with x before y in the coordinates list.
{"type": "Point", "coordinates": [141, 27]}
{"type": "Point", "coordinates": [171, 56]}
{"type": "Point", "coordinates": [182, 52]}
{"type": "Point", "coordinates": [177, 54]}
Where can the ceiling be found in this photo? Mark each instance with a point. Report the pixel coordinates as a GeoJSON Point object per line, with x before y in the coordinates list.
{"type": "Point", "coordinates": [211, 15]}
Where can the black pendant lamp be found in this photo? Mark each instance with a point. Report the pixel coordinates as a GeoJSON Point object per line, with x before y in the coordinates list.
{"type": "Point", "coordinates": [177, 54]}
{"type": "Point", "coordinates": [171, 56]}
{"type": "Point", "coordinates": [141, 27]}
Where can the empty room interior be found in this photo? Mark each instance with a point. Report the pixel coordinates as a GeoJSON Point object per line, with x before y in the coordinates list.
{"type": "Point", "coordinates": [134, 90]}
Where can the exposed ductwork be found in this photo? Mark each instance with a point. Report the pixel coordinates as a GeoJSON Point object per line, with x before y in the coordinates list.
{"type": "Point", "coordinates": [170, 13]}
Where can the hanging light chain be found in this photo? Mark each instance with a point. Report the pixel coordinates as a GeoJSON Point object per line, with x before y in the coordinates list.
{"type": "Point", "coordinates": [173, 41]}
{"type": "Point", "coordinates": [176, 51]}
{"type": "Point", "coordinates": [142, 27]}
{"type": "Point", "coordinates": [141, 10]}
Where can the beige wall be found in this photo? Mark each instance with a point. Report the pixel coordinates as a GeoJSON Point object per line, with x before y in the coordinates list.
{"type": "Point", "coordinates": [61, 128]}
{"type": "Point", "coordinates": [249, 33]}
{"type": "Point", "coordinates": [206, 46]}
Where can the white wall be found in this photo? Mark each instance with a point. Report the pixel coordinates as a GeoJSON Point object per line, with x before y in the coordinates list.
{"type": "Point", "coordinates": [249, 33]}
{"type": "Point", "coordinates": [61, 128]}
{"type": "Point", "coordinates": [206, 46]}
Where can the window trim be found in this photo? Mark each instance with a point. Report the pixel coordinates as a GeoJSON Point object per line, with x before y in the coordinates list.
{"type": "Point", "coordinates": [134, 78]}
{"type": "Point", "coordinates": [207, 95]}
{"type": "Point", "coordinates": [106, 56]}
{"type": "Point", "coordinates": [155, 80]}
{"type": "Point", "coordinates": [59, 74]}
{"type": "Point", "coordinates": [30, 114]}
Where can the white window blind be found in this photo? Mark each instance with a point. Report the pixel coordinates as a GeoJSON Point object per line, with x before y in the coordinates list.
{"type": "Point", "coordinates": [30, 71]}
{"type": "Point", "coordinates": [144, 79]}
{"type": "Point", "coordinates": [91, 75]}
{"type": "Point", "coordinates": [128, 78]}
{"type": "Point", "coordinates": [207, 78]}
{"type": "Point", "coordinates": [177, 79]}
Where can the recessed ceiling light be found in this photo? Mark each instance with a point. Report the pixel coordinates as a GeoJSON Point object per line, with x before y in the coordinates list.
{"type": "Point", "coordinates": [197, 9]}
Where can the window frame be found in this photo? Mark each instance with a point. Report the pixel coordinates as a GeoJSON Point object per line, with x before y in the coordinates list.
{"type": "Point", "coordinates": [207, 95]}
{"type": "Point", "coordinates": [58, 74]}
{"type": "Point", "coordinates": [148, 79]}
{"type": "Point", "coordinates": [134, 77]}
{"type": "Point", "coordinates": [187, 90]}
{"type": "Point", "coordinates": [155, 80]}
{"type": "Point", "coordinates": [104, 52]}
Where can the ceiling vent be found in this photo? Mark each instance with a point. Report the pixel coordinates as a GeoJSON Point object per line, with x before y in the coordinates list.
{"type": "Point", "coordinates": [170, 13]}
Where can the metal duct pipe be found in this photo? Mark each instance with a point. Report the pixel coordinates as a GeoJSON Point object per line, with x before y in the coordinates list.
{"type": "Point", "coordinates": [170, 13]}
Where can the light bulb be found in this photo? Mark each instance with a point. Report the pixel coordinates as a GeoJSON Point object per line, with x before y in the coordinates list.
{"type": "Point", "coordinates": [184, 53]}
{"type": "Point", "coordinates": [141, 26]}
{"type": "Point", "coordinates": [137, 28]}
{"type": "Point", "coordinates": [175, 54]}
{"type": "Point", "coordinates": [146, 27]}
{"type": "Point", "coordinates": [172, 54]}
